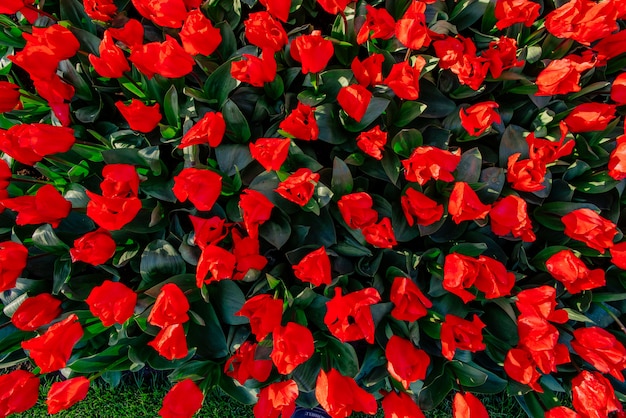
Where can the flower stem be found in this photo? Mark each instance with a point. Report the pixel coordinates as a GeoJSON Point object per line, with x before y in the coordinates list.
{"type": "Point", "coordinates": [615, 318]}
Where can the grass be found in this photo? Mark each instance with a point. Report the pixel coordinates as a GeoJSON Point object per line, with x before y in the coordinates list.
{"type": "Point", "coordinates": [141, 396]}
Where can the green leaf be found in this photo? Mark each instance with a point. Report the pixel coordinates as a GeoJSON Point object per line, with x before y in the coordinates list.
{"type": "Point", "coordinates": [61, 274]}
{"type": "Point", "coordinates": [467, 12]}
{"type": "Point", "coordinates": [595, 183]}
{"type": "Point", "coordinates": [330, 131]}
{"type": "Point", "coordinates": [342, 357]}
{"type": "Point", "coordinates": [170, 107]}
{"type": "Point", "coordinates": [209, 339]}
{"type": "Point", "coordinates": [232, 157]}
{"type": "Point", "coordinates": [405, 141]}
{"type": "Point", "coordinates": [220, 83]}
{"type": "Point", "coordinates": [332, 81]}
{"type": "Point", "coordinates": [159, 261]}
{"type": "Point", "coordinates": [391, 165]}
{"type": "Point", "coordinates": [493, 180]}
{"type": "Point", "coordinates": [228, 46]}
{"type": "Point", "coordinates": [101, 361]}
{"type": "Point", "coordinates": [228, 299]}
{"type": "Point", "coordinates": [468, 169]}
{"type": "Point", "coordinates": [277, 230]}
{"type": "Point", "coordinates": [237, 126]}
{"type": "Point", "coordinates": [81, 87]}
{"type": "Point", "coordinates": [87, 114]}
{"type": "Point", "coordinates": [512, 142]}
{"type": "Point", "coordinates": [46, 239]}
{"type": "Point", "coordinates": [408, 111]}
{"type": "Point", "coordinates": [311, 98]}
{"type": "Point", "coordinates": [74, 11]}
{"type": "Point", "coordinates": [608, 297]}
{"type": "Point", "coordinates": [467, 375]}
{"type": "Point", "coordinates": [306, 374]}
{"type": "Point", "coordinates": [243, 394]}
{"type": "Point", "coordinates": [194, 370]}
{"type": "Point", "coordinates": [436, 388]}
{"type": "Point", "coordinates": [437, 105]}
{"type": "Point", "coordinates": [341, 182]}
{"type": "Point", "coordinates": [78, 172]}
{"type": "Point", "coordinates": [574, 315]}
{"type": "Point", "coordinates": [113, 379]}
{"type": "Point", "coordinates": [469, 248]}
{"type": "Point", "coordinates": [275, 89]}
{"type": "Point", "coordinates": [321, 229]}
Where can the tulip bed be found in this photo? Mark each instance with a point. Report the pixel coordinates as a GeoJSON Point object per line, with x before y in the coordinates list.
{"type": "Point", "coordinates": [315, 202]}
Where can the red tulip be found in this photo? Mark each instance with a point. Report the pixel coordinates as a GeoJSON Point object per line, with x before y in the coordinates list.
{"type": "Point", "coordinates": [314, 268]}
{"type": "Point", "coordinates": [171, 307]}
{"type": "Point", "coordinates": [292, 345]}
{"type": "Point", "coordinates": [51, 350]}
{"type": "Point", "coordinates": [183, 400]}
{"type": "Point", "coordinates": [62, 395]}
{"type": "Point", "coordinates": [112, 302]}
{"type": "Point", "coordinates": [36, 312]}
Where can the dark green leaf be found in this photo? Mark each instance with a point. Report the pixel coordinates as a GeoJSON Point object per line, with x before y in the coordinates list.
{"type": "Point", "coordinates": [408, 111]}
{"type": "Point", "coordinates": [170, 107]}
{"type": "Point", "coordinates": [341, 182]}
{"type": "Point", "coordinates": [208, 339]}
{"type": "Point", "coordinates": [46, 239]}
{"type": "Point", "coordinates": [159, 261]}
{"type": "Point", "coordinates": [328, 123]}
{"type": "Point", "coordinates": [74, 11]}
{"type": "Point", "coordinates": [391, 165]}
{"type": "Point", "coordinates": [87, 114]}
{"type": "Point", "coordinates": [467, 12]}
{"type": "Point", "coordinates": [237, 126]}
{"type": "Point", "coordinates": [101, 361]}
{"type": "Point", "coordinates": [512, 142]}
{"type": "Point", "coordinates": [61, 274]}
{"type": "Point", "coordinates": [228, 46]}
{"type": "Point", "coordinates": [240, 393]}
{"type": "Point", "coordinates": [275, 89]}
{"type": "Point", "coordinates": [232, 157]}
{"type": "Point", "coordinates": [405, 141]}
{"type": "Point", "coordinates": [436, 388]}
{"type": "Point", "coordinates": [277, 230]}
{"type": "Point", "coordinates": [342, 357]}
{"type": "Point", "coordinates": [228, 299]}
{"type": "Point", "coordinates": [220, 83]}
{"type": "Point", "coordinates": [437, 105]}
{"type": "Point", "coordinates": [595, 183]}
{"type": "Point", "coordinates": [468, 169]}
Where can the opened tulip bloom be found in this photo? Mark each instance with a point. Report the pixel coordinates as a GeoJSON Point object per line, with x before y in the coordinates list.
{"type": "Point", "coordinates": [245, 364]}
{"type": "Point", "coordinates": [62, 395]}
{"type": "Point", "coordinates": [51, 350]}
{"type": "Point", "coordinates": [349, 317]}
{"type": "Point", "coordinates": [36, 312]}
{"type": "Point", "coordinates": [19, 391]}
{"type": "Point", "coordinates": [112, 302]}
{"type": "Point", "coordinates": [265, 314]}
{"type": "Point", "coordinates": [183, 400]}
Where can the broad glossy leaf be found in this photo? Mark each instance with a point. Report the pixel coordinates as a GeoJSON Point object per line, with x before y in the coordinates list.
{"type": "Point", "coordinates": [160, 260]}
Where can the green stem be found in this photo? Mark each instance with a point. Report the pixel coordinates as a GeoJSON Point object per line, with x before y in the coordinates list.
{"type": "Point", "coordinates": [100, 373]}
{"type": "Point", "coordinates": [35, 9]}
{"type": "Point", "coordinates": [615, 318]}
{"type": "Point", "coordinates": [408, 54]}
{"type": "Point", "coordinates": [25, 179]}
